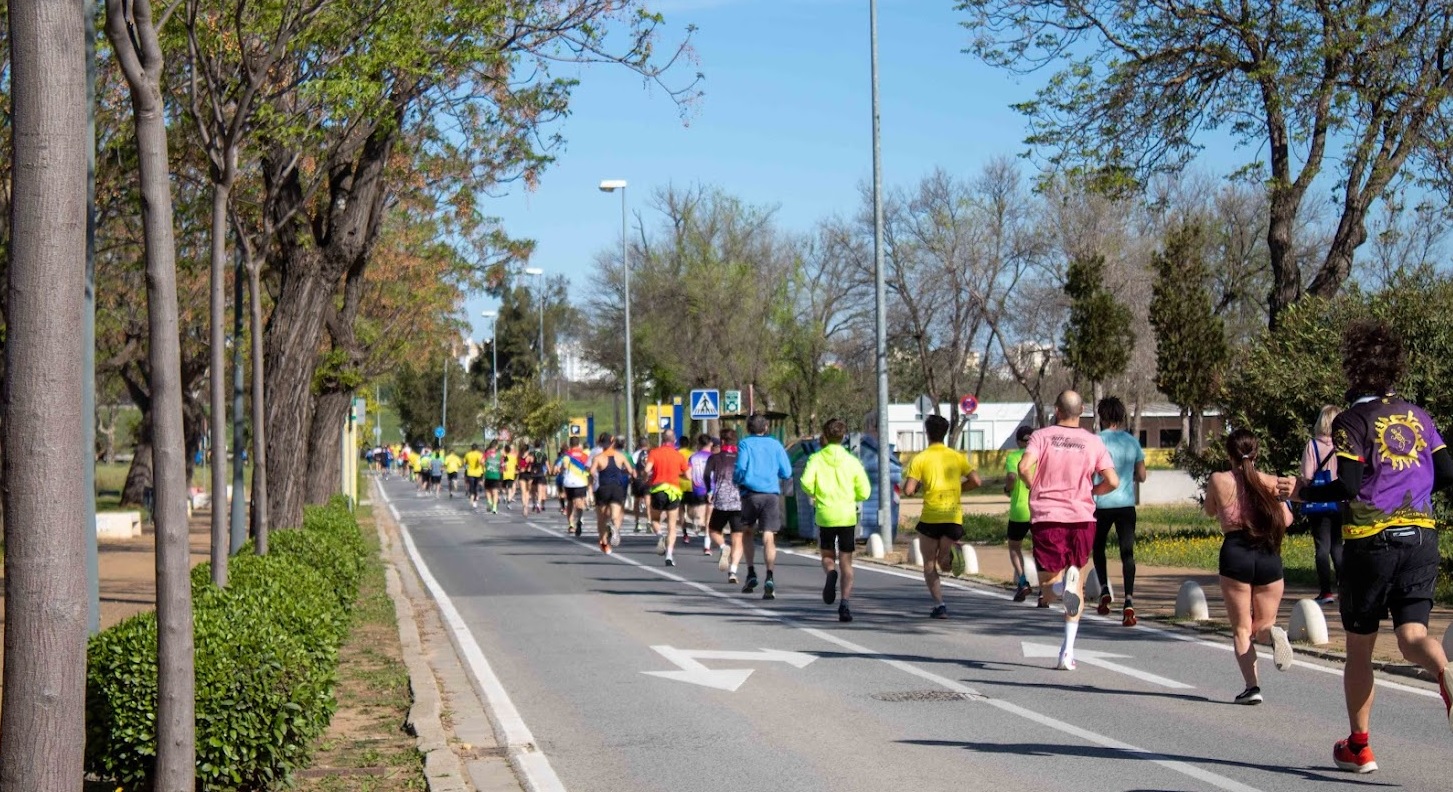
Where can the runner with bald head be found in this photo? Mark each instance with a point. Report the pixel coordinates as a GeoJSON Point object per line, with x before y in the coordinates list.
{"type": "Point", "coordinates": [1059, 466]}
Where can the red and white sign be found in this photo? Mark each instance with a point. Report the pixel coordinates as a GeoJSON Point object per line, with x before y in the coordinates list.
{"type": "Point", "coordinates": [969, 404]}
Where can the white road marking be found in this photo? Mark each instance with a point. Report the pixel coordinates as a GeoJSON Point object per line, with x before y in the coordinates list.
{"type": "Point", "coordinates": [690, 668]}
{"type": "Point", "coordinates": [1102, 660]}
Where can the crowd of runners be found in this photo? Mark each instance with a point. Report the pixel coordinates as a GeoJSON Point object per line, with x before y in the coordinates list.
{"type": "Point", "coordinates": [1366, 483]}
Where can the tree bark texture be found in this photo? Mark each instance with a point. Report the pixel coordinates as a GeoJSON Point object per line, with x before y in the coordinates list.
{"type": "Point", "coordinates": [221, 540]}
{"type": "Point", "coordinates": [133, 36]}
{"type": "Point", "coordinates": [259, 413]}
{"type": "Point", "coordinates": [324, 463]}
{"type": "Point", "coordinates": [42, 729]}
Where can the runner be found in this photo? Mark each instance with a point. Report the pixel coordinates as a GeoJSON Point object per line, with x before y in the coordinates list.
{"type": "Point", "coordinates": [452, 463]}
{"type": "Point", "coordinates": [493, 475]}
{"type": "Point", "coordinates": [575, 482]}
{"type": "Point", "coordinates": [666, 468]}
{"type": "Point", "coordinates": [1018, 513]}
{"type": "Point", "coordinates": [694, 498]}
{"type": "Point", "coordinates": [725, 502]}
{"type": "Point", "coordinates": [509, 469]}
{"type": "Point", "coordinates": [1390, 459]}
{"type": "Point", "coordinates": [1117, 508]}
{"type": "Point", "coordinates": [837, 483]}
{"type": "Point", "coordinates": [421, 479]}
{"type": "Point", "coordinates": [539, 475]}
{"type": "Point", "coordinates": [1254, 521]}
{"type": "Point", "coordinates": [1325, 519]}
{"type": "Point", "coordinates": [611, 473]}
{"type": "Point", "coordinates": [436, 472]}
{"type": "Point", "coordinates": [1060, 465]}
{"type": "Point", "coordinates": [762, 464]}
{"type": "Point", "coordinates": [473, 473]}
{"type": "Point", "coordinates": [943, 474]}
{"type": "Point", "coordinates": [641, 487]}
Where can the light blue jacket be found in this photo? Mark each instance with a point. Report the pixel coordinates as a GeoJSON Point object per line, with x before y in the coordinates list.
{"type": "Point", "coordinates": [762, 464]}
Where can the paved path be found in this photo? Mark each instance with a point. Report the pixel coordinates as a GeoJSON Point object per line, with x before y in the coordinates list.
{"type": "Point", "coordinates": [569, 644]}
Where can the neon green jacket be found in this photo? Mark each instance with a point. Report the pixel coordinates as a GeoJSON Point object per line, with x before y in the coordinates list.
{"type": "Point", "coordinates": [836, 482]}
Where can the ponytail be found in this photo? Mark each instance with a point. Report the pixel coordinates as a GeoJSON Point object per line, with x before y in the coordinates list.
{"type": "Point", "coordinates": [1263, 518]}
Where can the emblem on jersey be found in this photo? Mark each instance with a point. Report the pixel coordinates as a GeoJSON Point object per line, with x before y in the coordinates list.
{"type": "Point", "coordinates": [1400, 440]}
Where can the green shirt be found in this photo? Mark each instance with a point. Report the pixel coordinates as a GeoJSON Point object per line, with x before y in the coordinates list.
{"type": "Point", "coordinates": [1019, 495]}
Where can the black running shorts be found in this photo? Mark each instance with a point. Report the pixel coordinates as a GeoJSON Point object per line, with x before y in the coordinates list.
{"type": "Point", "coordinates": [1391, 573]}
{"type": "Point", "coordinates": [839, 537]}
{"type": "Point", "coordinates": [662, 501]}
{"type": "Point", "coordinates": [608, 494]}
{"type": "Point", "coordinates": [951, 531]}
{"type": "Point", "coordinates": [1245, 562]}
{"type": "Point", "coordinates": [1017, 531]}
{"type": "Point", "coordinates": [721, 519]}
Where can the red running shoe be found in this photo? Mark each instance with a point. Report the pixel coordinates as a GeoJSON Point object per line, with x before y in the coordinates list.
{"type": "Point", "coordinates": [1353, 761]}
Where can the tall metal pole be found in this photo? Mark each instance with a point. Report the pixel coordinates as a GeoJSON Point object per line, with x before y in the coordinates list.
{"type": "Point", "coordinates": [494, 363]}
{"type": "Point", "coordinates": [541, 281]}
{"type": "Point", "coordinates": [88, 345]}
{"type": "Point", "coordinates": [444, 408]}
{"type": "Point", "coordinates": [885, 480]}
{"type": "Point", "coordinates": [630, 376]}
{"type": "Point", "coordinates": [239, 433]}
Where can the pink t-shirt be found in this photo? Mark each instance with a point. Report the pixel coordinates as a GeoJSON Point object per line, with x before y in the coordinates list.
{"type": "Point", "coordinates": [1068, 459]}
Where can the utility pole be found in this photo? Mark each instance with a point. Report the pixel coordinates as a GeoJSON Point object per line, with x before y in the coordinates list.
{"type": "Point", "coordinates": [885, 479]}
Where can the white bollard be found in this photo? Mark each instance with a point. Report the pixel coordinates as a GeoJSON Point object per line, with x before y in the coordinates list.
{"type": "Point", "coordinates": [875, 546]}
{"type": "Point", "coordinates": [1092, 585]}
{"type": "Point", "coordinates": [915, 553]}
{"type": "Point", "coordinates": [971, 559]}
{"type": "Point", "coordinates": [1308, 623]}
{"type": "Point", "coordinates": [1448, 641]}
{"type": "Point", "coordinates": [1191, 602]}
{"type": "Point", "coordinates": [1031, 572]}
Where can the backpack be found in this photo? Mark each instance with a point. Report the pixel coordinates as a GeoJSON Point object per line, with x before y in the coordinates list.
{"type": "Point", "coordinates": [1322, 476]}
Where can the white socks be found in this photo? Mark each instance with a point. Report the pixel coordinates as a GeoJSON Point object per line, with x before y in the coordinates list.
{"type": "Point", "coordinates": [1072, 628]}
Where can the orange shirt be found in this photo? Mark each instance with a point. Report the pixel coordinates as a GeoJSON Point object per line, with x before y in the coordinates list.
{"type": "Point", "coordinates": [667, 466]}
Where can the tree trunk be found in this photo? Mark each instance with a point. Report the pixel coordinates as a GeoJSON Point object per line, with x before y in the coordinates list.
{"type": "Point", "coordinates": [324, 465]}
{"type": "Point", "coordinates": [133, 37]}
{"type": "Point", "coordinates": [42, 728]}
{"type": "Point", "coordinates": [221, 539]}
{"type": "Point", "coordinates": [259, 422]}
{"type": "Point", "coordinates": [139, 476]}
{"type": "Point", "coordinates": [1286, 276]}
{"type": "Point", "coordinates": [293, 332]}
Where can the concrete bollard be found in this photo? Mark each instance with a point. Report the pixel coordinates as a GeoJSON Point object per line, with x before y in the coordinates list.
{"type": "Point", "coordinates": [1308, 623]}
{"type": "Point", "coordinates": [915, 553]}
{"type": "Point", "coordinates": [1092, 585]}
{"type": "Point", "coordinates": [1031, 572]}
{"type": "Point", "coordinates": [1448, 641]}
{"type": "Point", "coordinates": [1191, 602]}
{"type": "Point", "coordinates": [971, 559]}
{"type": "Point", "coordinates": [875, 546]}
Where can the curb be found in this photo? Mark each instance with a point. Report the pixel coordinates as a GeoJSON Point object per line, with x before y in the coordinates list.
{"type": "Point", "coordinates": [443, 771]}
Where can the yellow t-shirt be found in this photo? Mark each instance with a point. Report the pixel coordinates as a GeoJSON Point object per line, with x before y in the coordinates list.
{"type": "Point", "coordinates": [512, 462]}
{"type": "Point", "coordinates": [941, 471]}
{"type": "Point", "coordinates": [474, 464]}
{"type": "Point", "coordinates": [452, 463]}
{"type": "Point", "coordinates": [417, 462]}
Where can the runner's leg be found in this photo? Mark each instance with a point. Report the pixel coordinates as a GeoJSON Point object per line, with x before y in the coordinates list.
{"type": "Point", "coordinates": [1237, 596]}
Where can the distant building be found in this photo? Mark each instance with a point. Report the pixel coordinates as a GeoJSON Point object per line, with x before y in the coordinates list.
{"type": "Point", "coordinates": [574, 366]}
{"type": "Point", "coordinates": [992, 426]}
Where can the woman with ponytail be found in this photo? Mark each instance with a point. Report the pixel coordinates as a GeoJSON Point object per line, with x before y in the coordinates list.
{"type": "Point", "coordinates": [1254, 520]}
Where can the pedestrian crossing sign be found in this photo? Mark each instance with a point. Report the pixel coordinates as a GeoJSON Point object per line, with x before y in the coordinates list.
{"type": "Point", "coordinates": [705, 405]}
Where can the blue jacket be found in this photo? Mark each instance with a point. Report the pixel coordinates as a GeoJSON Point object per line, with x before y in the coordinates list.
{"type": "Point", "coordinates": [762, 463]}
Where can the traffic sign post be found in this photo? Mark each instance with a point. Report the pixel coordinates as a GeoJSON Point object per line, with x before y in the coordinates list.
{"type": "Point", "coordinates": [731, 402]}
{"type": "Point", "coordinates": [924, 405]}
{"type": "Point", "coordinates": [705, 405]}
{"type": "Point", "coordinates": [438, 433]}
{"type": "Point", "coordinates": [969, 404]}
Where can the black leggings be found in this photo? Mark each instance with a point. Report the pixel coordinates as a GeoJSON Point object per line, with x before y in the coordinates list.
{"type": "Point", "coordinates": [1123, 518]}
{"type": "Point", "coordinates": [1327, 539]}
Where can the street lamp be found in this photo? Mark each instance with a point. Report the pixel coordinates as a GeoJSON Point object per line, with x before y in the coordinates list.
{"type": "Point", "coordinates": [540, 284]}
{"type": "Point", "coordinates": [494, 358]}
{"type": "Point", "coordinates": [885, 491]}
{"type": "Point", "coordinates": [612, 185]}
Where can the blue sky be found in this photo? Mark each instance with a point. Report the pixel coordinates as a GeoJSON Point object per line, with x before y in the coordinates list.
{"type": "Point", "coordinates": [784, 120]}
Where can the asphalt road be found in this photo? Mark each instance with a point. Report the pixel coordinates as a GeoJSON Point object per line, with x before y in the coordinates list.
{"type": "Point", "coordinates": [571, 645]}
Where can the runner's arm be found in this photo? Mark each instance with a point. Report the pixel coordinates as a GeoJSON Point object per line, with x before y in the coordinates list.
{"type": "Point", "coordinates": [1140, 474]}
{"type": "Point", "coordinates": [1028, 466]}
{"type": "Point", "coordinates": [910, 485]}
{"type": "Point", "coordinates": [1109, 481]}
{"type": "Point", "coordinates": [972, 481]}
{"type": "Point", "coordinates": [1010, 477]}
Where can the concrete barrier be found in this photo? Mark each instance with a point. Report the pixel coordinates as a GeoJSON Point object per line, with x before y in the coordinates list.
{"type": "Point", "coordinates": [915, 553]}
{"type": "Point", "coordinates": [1191, 602]}
{"type": "Point", "coordinates": [1308, 623]}
{"type": "Point", "coordinates": [1031, 572]}
{"type": "Point", "coordinates": [971, 559]}
{"type": "Point", "coordinates": [118, 525]}
{"type": "Point", "coordinates": [1448, 641]}
{"type": "Point", "coordinates": [875, 545]}
{"type": "Point", "coordinates": [1092, 586]}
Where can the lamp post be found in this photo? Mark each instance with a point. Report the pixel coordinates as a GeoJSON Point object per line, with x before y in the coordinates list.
{"type": "Point", "coordinates": [885, 481]}
{"type": "Point", "coordinates": [494, 358]}
{"type": "Point", "coordinates": [540, 284]}
{"type": "Point", "coordinates": [613, 185]}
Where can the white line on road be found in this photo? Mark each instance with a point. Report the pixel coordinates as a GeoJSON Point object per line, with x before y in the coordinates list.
{"type": "Point", "coordinates": [510, 729]}
{"type": "Point", "coordinates": [1103, 660]}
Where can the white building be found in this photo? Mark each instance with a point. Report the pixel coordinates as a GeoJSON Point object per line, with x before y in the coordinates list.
{"type": "Point", "coordinates": [990, 428]}
{"type": "Point", "coordinates": [574, 367]}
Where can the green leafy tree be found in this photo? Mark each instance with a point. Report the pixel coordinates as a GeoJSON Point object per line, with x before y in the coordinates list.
{"type": "Point", "coordinates": [418, 393]}
{"type": "Point", "coordinates": [1098, 339]}
{"type": "Point", "coordinates": [526, 411]}
{"type": "Point", "coordinates": [1191, 352]}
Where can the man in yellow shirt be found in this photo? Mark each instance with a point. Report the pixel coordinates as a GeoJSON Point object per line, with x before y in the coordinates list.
{"type": "Point", "coordinates": [452, 463]}
{"type": "Point", "coordinates": [509, 470]}
{"type": "Point", "coordinates": [421, 474]}
{"type": "Point", "coordinates": [473, 472]}
{"type": "Point", "coordinates": [943, 474]}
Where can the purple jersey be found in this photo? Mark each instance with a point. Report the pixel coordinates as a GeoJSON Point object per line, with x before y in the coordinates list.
{"type": "Point", "coordinates": [1395, 441]}
{"type": "Point", "coordinates": [697, 467]}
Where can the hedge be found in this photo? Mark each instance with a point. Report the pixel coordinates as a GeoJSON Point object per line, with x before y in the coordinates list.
{"type": "Point", "coordinates": [266, 663]}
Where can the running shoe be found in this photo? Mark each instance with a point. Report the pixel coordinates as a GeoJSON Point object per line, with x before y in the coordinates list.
{"type": "Point", "coordinates": [661, 546]}
{"type": "Point", "coordinates": [751, 584]}
{"type": "Point", "coordinates": [1042, 602]}
{"type": "Point", "coordinates": [732, 578]}
{"type": "Point", "coordinates": [829, 589]}
{"type": "Point", "coordinates": [706, 551]}
{"type": "Point", "coordinates": [957, 564]}
{"type": "Point", "coordinates": [1072, 599]}
{"type": "Point", "coordinates": [938, 612]}
{"type": "Point", "coordinates": [769, 590]}
{"type": "Point", "coordinates": [604, 545]}
{"type": "Point", "coordinates": [1105, 600]}
{"type": "Point", "coordinates": [1326, 598]}
{"type": "Point", "coordinates": [843, 613]}
{"type": "Point", "coordinates": [725, 560]}
{"type": "Point", "coordinates": [637, 529]}
{"type": "Point", "coordinates": [670, 561]}
{"type": "Point", "coordinates": [1066, 663]}
{"type": "Point", "coordinates": [1128, 616]}
{"type": "Point", "coordinates": [1445, 686]}
{"type": "Point", "coordinates": [615, 536]}
{"type": "Point", "coordinates": [1353, 761]}
{"type": "Point", "coordinates": [1250, 696]}
{"type": "Point", "coordinates": [1021, 593]}
{"type": "Point", "coordinates": [1281, 649]}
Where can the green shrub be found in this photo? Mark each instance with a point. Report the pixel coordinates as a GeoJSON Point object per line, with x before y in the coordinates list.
{"type": "Point", "coordinates": [266, 662]}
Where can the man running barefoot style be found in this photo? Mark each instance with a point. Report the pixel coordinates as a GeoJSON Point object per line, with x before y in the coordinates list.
{"type": "Point", "coordinates": [1018, 512]}
{"type": "Point", "coordinates": [724, 502]}
{"type": "Point", "coordinates": [1390, 460]}
{"type": "Point", "coordinates": [837, 483]}
{"type": "Point", "coordinates": [1060, 465]}
{"type": "Point", "coordinates": [943, 474]}
{"type": "Point", "coordinates": [762, 465]}
{"type": "Point", "coordinates": [1117, 509]}
{"type": "Point", "coordinates": [611, 472]}
{"type": "Point", "coordinates": [666, 466]}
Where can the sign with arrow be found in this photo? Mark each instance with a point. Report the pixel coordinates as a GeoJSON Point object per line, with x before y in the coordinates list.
{"type": "Point", "coordinates": [1102, 660]}
{"type": "Point", "coordinates": [690, 668]}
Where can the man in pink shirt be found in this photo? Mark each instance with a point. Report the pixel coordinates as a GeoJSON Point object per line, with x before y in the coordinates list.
{"type": "Point", "coordinates": [1060, 465]}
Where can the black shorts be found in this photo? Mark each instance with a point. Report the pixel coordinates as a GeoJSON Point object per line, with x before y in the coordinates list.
{"type": "Point", "coordinates": [722, 519]}
{"type": "Point", "coordinates": [575, 493]}
{"type": "Point", "coordinates": [491, 484]}
{"type": "Point", "coordinates": [1245, 562]}
{"type": "Point", "coordinates": [662, 501]}
{"type": "Point", "coordinates": [608, 494]}
{"type": "Point", "coordinates": [951, 531]}
{"type": "Point", "coordinates": [473, 483]}
{"type": "Point", "coordinates": [640, 489]}
{"type": "Point", "coordinates": [1391, 573]}
{"type": "Point", "coordinates": [1017, 531]}
{"type": "Point", "coordinates": [453, 477]}
{"type": "Point", "coordinates": [761, 511]}
{"type": "Point", "coordinates": [435, 478]}
{"type": "Point", "coordinates": [841, 537]}
{"type": "Point", "coordinates": [509, 482]}
{"type": "Point", "coordinates": [690, 499]}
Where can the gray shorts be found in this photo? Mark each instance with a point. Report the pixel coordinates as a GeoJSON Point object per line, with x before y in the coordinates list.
{"type": "Point", "coordinates": [761, 511]}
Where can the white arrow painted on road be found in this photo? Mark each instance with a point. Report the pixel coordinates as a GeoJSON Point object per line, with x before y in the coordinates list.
{"type": "Point", "coordinates": [1102, 660]}
{"type": "Point", "coordinates": [729, 679]}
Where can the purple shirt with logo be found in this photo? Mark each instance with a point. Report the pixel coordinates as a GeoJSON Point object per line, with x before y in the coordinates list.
{"type": "Point", "coordinates": [1394, 440]}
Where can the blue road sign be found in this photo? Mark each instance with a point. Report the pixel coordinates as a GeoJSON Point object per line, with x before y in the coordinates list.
{"type": "Point", "coordinates": [705, 405]}
{"type": "Point", "coordinates": [439, 432]}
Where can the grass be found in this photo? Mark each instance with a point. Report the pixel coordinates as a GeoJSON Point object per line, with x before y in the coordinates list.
{"type": "Point", "coordinates": [111, 479]}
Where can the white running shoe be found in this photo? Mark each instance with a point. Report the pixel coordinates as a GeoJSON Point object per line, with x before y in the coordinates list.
{"type": "Point", "coordinates": [1281, 649]}
{"type": "Point", "coordinates": [725, 560]}
{"type": "Point", "coordinates": [615, 537]}
{"type": "Point", "coordinates": [1071, 597]}
{"type": "Point", "coordinates": [1066, 663]}
{"type": "Point", "coordinates": [661, 545]}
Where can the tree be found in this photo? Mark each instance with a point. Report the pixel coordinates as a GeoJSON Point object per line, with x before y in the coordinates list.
{"type": "Point", "coordinates": [1191, 350]}
{"type": "Point", "coordinates": [1140, 85]}
{"type": "Point", "coordinates": [42, 730]}
{"type": "Point", "coordinates": [1097, 339]}
{"type": "Point", "coordinates": [419, 400]}
{"type": "Point", "coordinates": [526, 411]}
{"type": "Point", "coordinates": [133, 36]}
